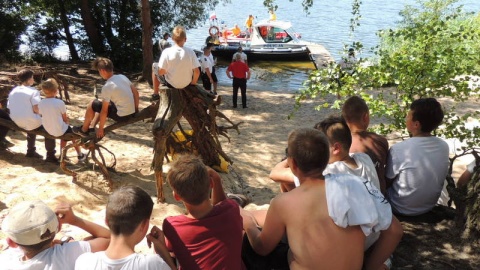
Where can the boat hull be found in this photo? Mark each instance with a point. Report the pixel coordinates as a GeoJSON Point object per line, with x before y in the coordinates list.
{"type": "Point", "coordinates": [263, 54]}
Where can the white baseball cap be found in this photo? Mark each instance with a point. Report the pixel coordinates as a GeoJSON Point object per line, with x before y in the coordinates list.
{"type": "Point", "coordinates": [30, 222]}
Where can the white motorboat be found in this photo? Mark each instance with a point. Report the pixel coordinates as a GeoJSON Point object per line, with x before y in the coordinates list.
{"type": "Point", "coordinates": [268, 40]}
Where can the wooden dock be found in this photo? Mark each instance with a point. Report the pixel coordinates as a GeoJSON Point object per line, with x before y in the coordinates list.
{"type": "Point", "coordinates": [319, 55]}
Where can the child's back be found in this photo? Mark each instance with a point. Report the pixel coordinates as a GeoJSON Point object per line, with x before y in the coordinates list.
{"type": "Point", "coordinates": [210, 235]}
{"type": "Point", "coordinates": [212, 242]}
{"type": "Point", "coordinates": [20, 102]}
{"type": "Point", "coordinates": [315, 241]}
{"type": "Point", "coordinates": [52, 110]}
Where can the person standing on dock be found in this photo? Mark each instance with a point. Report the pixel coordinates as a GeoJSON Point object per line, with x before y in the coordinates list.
{"type": "Point", "coordinates": [249, 24]}
{"type": "Point", "coordinates": [240, 73]}
{"type": "Point", "coordinates": [273, 16]}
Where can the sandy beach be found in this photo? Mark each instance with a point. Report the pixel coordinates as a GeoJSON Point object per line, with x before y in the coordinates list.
{"type": "Point", "coordinates": [255, 150]}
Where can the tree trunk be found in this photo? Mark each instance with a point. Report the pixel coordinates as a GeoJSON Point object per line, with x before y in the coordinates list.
{"type": "Point", "coordinates": [147, 44]}
{"type": "Point", "coordinates": [68, 35]}
{"type": "Point", "coordinates": [96, 40]}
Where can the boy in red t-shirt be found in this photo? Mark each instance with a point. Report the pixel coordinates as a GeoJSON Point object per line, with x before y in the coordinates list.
{"type": "Point", "coordinates": [209, 236]}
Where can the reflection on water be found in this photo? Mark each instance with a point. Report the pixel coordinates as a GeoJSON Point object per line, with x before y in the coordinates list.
{"type": "Point", "coordinates": [271, 75]}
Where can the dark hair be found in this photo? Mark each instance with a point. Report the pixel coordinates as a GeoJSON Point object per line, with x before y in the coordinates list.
{"type": "Point", "coordinates": [354, 109]}
{"type": "Point", "coordinates": [165, 35]}
{"type": "Point", "coordinates": [309, 149]}
{"type": "Point", "coordinates": [38, 246]}
{"type": "Point", "coordinates": [127, 207]}
{"type": "Point", "coordinates": [188, 177]}
{"type": "Point", "coordinates": [24, 75]}
{"type": "Point", "coordinates": [428, 112]}
{"type": "Point", "coordinates": [102, 63]}
{"type": "Point", "coordinates": [336, 130]}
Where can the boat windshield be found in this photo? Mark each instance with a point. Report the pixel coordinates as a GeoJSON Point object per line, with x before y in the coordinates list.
{"type": "Point", "coordinates": [272, 34]}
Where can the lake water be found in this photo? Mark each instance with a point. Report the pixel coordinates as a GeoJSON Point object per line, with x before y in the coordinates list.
{"type": "Point", "coordinates": [328, 24]}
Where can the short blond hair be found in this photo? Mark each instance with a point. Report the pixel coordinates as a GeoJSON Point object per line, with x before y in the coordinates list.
{"type": "Point", "coordinates": [179, 34]}
{"type": "Point", "coordinates": [49, 86]}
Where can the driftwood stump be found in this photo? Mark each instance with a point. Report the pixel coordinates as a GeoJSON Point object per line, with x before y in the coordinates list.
{"type": "Point", "coordinates": [198, 107]}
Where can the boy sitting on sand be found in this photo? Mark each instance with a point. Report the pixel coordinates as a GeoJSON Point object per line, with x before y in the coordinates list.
{"type": "Point", "coordinates": [357, 115]}
{"type": "Point", "coordinates": [31, 227]}
{"type": "Point", "coordinates": [209, 236]}
{"type": "Point", "coordinates": [417, 167]}
{"type": "Point", "coordinates": [54, 115]}
{"type": "Point", "coordinates": [308, 153]}
{"type": "Point", "coordinates": [128, 217]}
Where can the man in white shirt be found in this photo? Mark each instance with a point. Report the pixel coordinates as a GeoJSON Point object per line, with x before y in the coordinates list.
{"type": "Point", "coordinates": [23, 105]}
{"type": "Point", "coordinates": [242, 54]}
{"type": "Point", "coordinates": [208, 75]}
{"type": "Point", "coordinates": [416, 168]}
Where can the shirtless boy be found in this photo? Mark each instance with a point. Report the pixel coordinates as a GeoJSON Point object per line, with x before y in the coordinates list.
{"type": "Point", "coordinates": [356, 114]}
{"type": "Point", "coordinates": [317, 239]}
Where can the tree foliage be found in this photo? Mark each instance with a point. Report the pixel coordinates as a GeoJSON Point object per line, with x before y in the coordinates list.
{"type": "Point", "coordinates": [12, 26]}
{"type": "Point", "coordinates": [93, 28]}
{"type": "Point", "coordinates": [432, 52]}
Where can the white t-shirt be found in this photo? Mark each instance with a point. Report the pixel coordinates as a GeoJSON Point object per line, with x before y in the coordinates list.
{"type": "Point", "coordinates": [365, 169]}
{"type": "Point", "coordinates": [51, 110]}
{"type": "Point", "coordinates": [381, 212]}
{"type": "Point", "coordinates": [179, 63]}
{"type": "Point", "coordinates": [419, 167]}
{"type": "Point", "coordinates": [58, 257]}
{"type": "Point", "coordinates": [118, 90]}
{"type": "Point", "coordinates": [100, 261]}
{"type": "Point", "coordinates": [20, 103]}
{"type": "Point", "coordinates": [206, 62]}
{"type": "Point", "coordinates": [243, 58]}
{"type": "Point", "coordinates": [352, 200]}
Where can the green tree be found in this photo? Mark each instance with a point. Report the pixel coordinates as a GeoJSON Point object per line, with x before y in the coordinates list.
{"type": "Point", "coordinates": [100, 28]}
{"type": "Point", "coordinates": [13, 25]}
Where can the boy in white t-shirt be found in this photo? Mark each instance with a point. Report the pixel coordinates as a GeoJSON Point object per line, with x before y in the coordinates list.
{"type": "Point", "coordinates": [128, 217]}
{"type": "Point", "coordinates": [54, 115]}
{"type": "Point", "coordinates": [23, 105]}
{"type": "Point", "coordinates": [30, 228]}
{"type": "Point", "coordinates": [120, 100]}
{"type": "Point", "coordinates": [417, 168]}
